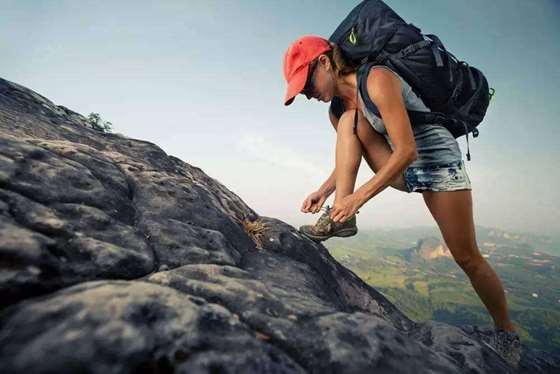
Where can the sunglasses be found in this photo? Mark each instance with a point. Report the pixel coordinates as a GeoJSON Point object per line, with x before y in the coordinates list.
{"type": "Point", "coordinates": [309, 88]}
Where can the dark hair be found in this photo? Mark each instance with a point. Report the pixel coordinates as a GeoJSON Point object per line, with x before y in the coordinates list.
{"type": "Point", "coordinates": [340, 64]}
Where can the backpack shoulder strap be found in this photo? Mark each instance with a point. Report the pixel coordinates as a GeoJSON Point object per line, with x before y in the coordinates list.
{"type": "Point", "coordinates": [361, 77]}
{"type": "Point", "coordinates": [416, 117]}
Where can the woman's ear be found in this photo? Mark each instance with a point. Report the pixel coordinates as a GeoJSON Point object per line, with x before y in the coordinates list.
{"type": "Point", "coordinates": [324, 60]}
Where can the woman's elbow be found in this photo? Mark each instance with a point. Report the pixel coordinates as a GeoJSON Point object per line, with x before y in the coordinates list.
{"type": "Point", "coordinates": [410, 155]}
{"type": "Point", "coordinates": [413, 155]}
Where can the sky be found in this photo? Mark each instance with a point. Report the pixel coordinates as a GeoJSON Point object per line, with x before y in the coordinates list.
{"type": "Point", "coordinates": [203, 80]}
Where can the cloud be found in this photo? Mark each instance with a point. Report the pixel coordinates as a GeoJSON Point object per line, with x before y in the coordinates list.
{"type": "Point", "coordinates": [276, 154]}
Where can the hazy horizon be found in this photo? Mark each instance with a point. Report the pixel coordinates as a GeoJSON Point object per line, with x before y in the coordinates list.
{"type": "Point", "coordinates": [203, 80]}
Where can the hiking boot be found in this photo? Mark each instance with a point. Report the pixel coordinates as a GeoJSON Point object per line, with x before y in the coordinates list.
{"type": "Point", "coordinates": [326, 228]}
{"type": "Point", "coordinates": [505, 343]}
{"type": "Point", "coordinates": [508, 346]}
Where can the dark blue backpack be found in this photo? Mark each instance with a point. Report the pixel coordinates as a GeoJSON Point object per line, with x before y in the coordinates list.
{"type": "Point", "coordinates": [456, 93]}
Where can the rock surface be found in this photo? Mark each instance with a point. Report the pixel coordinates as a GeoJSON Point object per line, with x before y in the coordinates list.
{"type": "Point", "coordinates": [116, 257]}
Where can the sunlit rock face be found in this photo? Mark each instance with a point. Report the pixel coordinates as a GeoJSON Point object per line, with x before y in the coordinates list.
{"type": "Point", "coordinates": [116, 257]}
{"type": "Point", "coordinates": [432, 248]}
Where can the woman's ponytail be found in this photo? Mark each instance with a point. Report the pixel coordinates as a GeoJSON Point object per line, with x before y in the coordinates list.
{"type": "Point", "coordinates": [340, 65]}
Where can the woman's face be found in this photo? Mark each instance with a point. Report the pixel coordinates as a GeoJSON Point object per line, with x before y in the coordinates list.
{"type": "Point", "coordinates": [320, 81]}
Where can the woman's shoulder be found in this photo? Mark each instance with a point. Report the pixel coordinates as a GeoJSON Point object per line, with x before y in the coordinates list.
{"type": "Point", "coordinates": [379, 76]}
{"type": "Point", "coordinates": [411, 99]}
{"type": "Point", "coordinates": [380, 69]}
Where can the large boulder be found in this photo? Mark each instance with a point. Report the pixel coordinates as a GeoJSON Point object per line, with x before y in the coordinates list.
{"type": "Point", "coordinates": [116, 257]}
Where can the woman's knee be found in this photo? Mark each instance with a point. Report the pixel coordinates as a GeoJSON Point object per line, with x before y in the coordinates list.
{"type": "Point", "coordinates": [469, 260]}
{"type": "Point", "coordinates": [346, 124]}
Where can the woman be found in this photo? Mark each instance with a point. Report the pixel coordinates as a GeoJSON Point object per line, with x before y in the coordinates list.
{"type": "Point", "coordinates": [424, 159]}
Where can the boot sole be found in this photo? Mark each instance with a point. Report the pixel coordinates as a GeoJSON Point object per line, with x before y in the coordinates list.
{"type": "Point", "coordinates": [342, 233]}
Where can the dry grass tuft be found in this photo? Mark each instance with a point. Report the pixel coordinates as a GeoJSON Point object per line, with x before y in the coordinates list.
{"type": "Point", "coordinates": [255, 230]}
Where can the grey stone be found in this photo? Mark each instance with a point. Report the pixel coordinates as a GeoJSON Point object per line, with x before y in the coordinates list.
{"type": "Point", "coordinates": [116, 257]}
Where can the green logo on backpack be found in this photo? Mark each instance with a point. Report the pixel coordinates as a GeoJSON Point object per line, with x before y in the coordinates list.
{"type": "Point", "coordinates": [352, 38]}
{"type": "Point", "coordinates": [491, 93]}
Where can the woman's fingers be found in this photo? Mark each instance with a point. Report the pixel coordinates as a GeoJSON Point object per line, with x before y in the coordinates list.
{"type": "Point", "coordinates": [337, 215]}
{"type": "Point", "coordinates": [308, 206]}
{"type": "Point", "coordinates": [312, 205]}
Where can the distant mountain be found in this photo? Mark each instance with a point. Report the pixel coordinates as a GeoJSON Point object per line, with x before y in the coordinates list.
{"type": "Point", "coordinates": [399, 238]}
{"type": "Point", "coordinates": [428, 249]}
{"type": "Point", "coordinates": [539, 243]}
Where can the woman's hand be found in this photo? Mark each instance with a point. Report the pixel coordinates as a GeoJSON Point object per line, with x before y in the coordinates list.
{"type": "Point", "coordinates": [313, 202]}
{"type": "Point", "coordinates": [350, 204]}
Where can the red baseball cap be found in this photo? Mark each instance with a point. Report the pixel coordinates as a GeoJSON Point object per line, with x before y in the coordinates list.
{"type": "Point", "coordinates": [296, 63]}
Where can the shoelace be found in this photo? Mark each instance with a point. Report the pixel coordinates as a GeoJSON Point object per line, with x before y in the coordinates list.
{"type": "Point", "coordinates": [326, 213]}
{"type": "Point", "coordinates": [327, 209]}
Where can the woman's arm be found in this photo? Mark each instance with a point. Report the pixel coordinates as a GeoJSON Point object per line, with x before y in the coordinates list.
{"type": "Point", "coordinates": [329, 186]}
{"type": "Point", "coordinates": [385, 90]}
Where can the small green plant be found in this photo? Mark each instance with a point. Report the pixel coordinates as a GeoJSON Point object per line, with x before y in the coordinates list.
{"type": "Point", "coordinates": [97, 123]}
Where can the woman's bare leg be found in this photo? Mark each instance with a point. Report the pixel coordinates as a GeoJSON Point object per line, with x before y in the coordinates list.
{"type": "Point", "coordinates": [376, 150]}
{"type": "Point", "coordinates": [348, 157]}
{"type": "Point", "coordinates": [452, 211]}
{"type": "Point", "coordinates": [349, 149]}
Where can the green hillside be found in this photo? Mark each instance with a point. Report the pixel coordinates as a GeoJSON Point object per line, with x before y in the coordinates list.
{"type": "Point", "coordinates": [438, 289]}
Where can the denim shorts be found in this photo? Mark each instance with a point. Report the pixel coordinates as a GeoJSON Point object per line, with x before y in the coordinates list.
{"type": "Point", "coordinates": [446, 177]}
